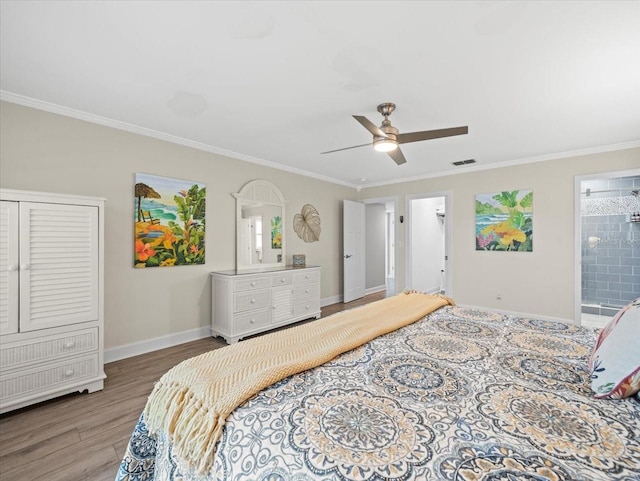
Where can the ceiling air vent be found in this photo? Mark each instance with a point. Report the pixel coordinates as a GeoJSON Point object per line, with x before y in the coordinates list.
{"type": "Point", "coordinates": [464, 162]}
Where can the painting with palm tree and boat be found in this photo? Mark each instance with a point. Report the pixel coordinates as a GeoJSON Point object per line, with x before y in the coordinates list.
{"type": "Point", "coordinates": [504, 221]}
{"type": "Point", "coordinates": [169, 221]}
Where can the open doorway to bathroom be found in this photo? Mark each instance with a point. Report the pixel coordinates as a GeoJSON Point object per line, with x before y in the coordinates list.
{"type": "Point", "coordinates": [608, 233]}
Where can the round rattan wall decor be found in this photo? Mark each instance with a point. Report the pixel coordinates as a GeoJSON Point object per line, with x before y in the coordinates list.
{"type": "Point", "coordinates": [307, 224]}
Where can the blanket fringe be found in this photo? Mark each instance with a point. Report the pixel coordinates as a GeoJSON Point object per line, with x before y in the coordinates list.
{"type": "Point", "coordinates": [194, 430]}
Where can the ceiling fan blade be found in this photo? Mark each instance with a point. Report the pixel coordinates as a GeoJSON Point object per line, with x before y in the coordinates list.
{"type": "Point", "coordinates": [397, 156]}
{"type": "Point", "coordinates": [370, 126]}
{"type": "Point", "coordinates": [346, 148]}
{"type": "Point", "coordinates": [431, 134]}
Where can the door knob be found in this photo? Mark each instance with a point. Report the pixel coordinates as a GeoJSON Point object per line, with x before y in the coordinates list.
{"type": "Point", "coordinates": [347, 256]}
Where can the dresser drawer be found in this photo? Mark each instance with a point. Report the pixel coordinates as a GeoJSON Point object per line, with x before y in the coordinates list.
{"type": "Point", "coordinates": [310, 308]}
{"type": "Point", "coordinates": [251, 283]}
{"type": "Point", "coordinates": [25, 353]}
{"type": "Point", "coordinates": [49, 376]}
{"type": "Point", "coordinates": [281, 280]}
{"type": "Point", "coordinates": [306, 291]}
{"type": "Point", "coordinates": [251, 300]}
{"type": "Point", "coordinates": [307, 276]}
{"type": "Point", "coordinates": [251, 320]}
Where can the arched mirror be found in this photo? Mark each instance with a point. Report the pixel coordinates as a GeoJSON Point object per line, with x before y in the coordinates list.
{"type": "Point", "coordinates": [260, 226]}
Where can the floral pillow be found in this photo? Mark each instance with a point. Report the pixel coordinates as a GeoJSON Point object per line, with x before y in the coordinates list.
{"type": "Point", "coordinates": [615, 360]}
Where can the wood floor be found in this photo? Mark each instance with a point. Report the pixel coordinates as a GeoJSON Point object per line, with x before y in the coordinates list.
{"type": "Point", "coordinates": [83, 437]}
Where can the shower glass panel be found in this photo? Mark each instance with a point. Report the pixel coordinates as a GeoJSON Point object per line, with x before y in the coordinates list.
{"type": "Point", "coordinates": [610, 244]}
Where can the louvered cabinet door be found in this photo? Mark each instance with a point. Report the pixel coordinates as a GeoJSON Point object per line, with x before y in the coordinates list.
{"type": "Point", "coordinates": [9, 274]}
{"type": "Point", "coordinates": [58, 265]}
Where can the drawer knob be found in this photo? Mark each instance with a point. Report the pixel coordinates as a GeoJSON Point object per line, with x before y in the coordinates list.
{"type": "Point", "coordinates": [306, 277]}
{"type": "Point", "coordinates": [252, 321]}
{"type": "Point", "coordinates": [253, 301]}
{"type": "Point", "coordinates": [252, 284]}
{"type": "Point", "coordinates": [69, 344]}
{"type": "Point", "coordinates": [25, 267]}
{"type": "Point", "coordinates": [12, 268]}
{"type": "Point", "coordinates": [306, 291]}
{"type": "Point", "coordinates": [307, 307]}
{"type": "Point", "coordinates": [282, 280]}
{"type": "Point", "coordinates": [68, 373]}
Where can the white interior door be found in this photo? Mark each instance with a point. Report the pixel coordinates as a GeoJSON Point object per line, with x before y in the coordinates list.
{"type": "Point", "coordinates": [353, 250]}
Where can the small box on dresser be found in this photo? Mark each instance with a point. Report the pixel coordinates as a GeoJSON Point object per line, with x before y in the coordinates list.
{"type": "Point", "coordinates": [51, 296]}
{"type": "Point", "coordinates": [249, 302]}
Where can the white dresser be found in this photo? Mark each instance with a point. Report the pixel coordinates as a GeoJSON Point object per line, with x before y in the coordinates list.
{"type": "Point", "coordinates": [250, 302]}
{"type": "Point", "coordinates": [51, 296]}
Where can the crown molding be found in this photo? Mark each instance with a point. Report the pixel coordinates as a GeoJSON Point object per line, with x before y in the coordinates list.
{"type": "Point", "coordinates": [510, 163]}
{"type": "Point", "coordinates": [136, 129]}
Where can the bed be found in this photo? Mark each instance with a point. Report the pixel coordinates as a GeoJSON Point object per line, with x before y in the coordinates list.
{"type": "Point", "coordinates": [460, 394]}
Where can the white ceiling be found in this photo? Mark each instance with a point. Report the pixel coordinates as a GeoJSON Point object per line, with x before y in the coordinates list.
{"type": "Point", "coordinates": [278, 82]}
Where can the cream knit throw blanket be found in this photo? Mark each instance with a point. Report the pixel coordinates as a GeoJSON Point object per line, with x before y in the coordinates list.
{"type": "Point", "coordinates": [191, 402]}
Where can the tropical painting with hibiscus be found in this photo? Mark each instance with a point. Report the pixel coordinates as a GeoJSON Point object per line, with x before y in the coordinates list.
{"type": "Point", "coordinates": [169, 222]}
{"type": "Point", "coordinates": [504, 221]}
{"type": "Point", "coordinates": [276, 232]}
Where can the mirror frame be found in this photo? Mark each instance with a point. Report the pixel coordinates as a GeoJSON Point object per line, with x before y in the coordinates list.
{"type": "Point", "coordinates": [258, 192]}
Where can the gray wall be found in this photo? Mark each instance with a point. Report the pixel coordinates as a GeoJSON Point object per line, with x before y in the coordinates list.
{"type": "Point", "coordinates": [46, 152]}
{"type": "Point", "coordinates": [51, 153]}
{"type": "Point", "coordinates": [541, 282]}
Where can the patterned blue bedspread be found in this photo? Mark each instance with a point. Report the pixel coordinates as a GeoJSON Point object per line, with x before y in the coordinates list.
{"type": "Point", "coordinates": [462, 395]}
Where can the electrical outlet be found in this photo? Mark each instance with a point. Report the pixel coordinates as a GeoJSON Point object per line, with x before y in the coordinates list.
{"type": "Point", "coordinates": [498, 296]}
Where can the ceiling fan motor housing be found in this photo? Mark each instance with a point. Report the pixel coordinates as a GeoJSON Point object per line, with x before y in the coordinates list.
{"type": "Point", "coordinates": [390, 141]}
{"type": "Point", "coordinates": [386, 108]}
{"type": "Point", "coordinates": [390, 131]}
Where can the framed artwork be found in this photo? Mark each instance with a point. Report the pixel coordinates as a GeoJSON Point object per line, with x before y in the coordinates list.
{"type": "Point", "coordinates": [169, 221]}
{"type": "Point", "coordinates": [276, 232]}
{"type": "Point", "coordinates": [504, 221]}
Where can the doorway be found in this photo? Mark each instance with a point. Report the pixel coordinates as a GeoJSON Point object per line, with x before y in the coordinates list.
{"type": "Point", "coordinates": [428, 237]}
{"type": "Point", "coordinates": [607, 233]}
{"type": "Point", "coordinates": [382, 211]}
{"type": "Point", "coordinates": [390, 247]}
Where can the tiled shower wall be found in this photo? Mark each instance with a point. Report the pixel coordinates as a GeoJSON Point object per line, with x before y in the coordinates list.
{"type": "Point", "coordinates": [610, 242]}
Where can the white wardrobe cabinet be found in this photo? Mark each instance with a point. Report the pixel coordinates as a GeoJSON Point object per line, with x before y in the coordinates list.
{"type": "Point", "coordinates": [51, 296]}
{"type": "Point", "coordinates": [246, 303]}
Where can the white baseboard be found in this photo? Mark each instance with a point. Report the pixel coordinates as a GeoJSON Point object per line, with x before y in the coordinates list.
{"type": "Point", "coordinates": [327, 301]}
{"type": "Point", "coordinates": [373, 290]}
{"type": "Point", "coordinates": [520, 314]}
{"type": "Point", "coordinates": [170, 340]}
{"type": "Point", "coordinates": [150, 345]}
{"type": "Point", "coordinates": [339, 298]}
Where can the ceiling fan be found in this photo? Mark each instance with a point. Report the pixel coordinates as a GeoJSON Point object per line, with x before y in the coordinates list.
{"type": "Point", "coordinates": [386, 138]}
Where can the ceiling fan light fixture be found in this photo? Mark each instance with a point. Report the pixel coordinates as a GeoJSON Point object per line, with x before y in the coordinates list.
{"type": "Point", "coordinates": [385, 144]}
{"type": "Point", "coordinates": [387, 138]}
